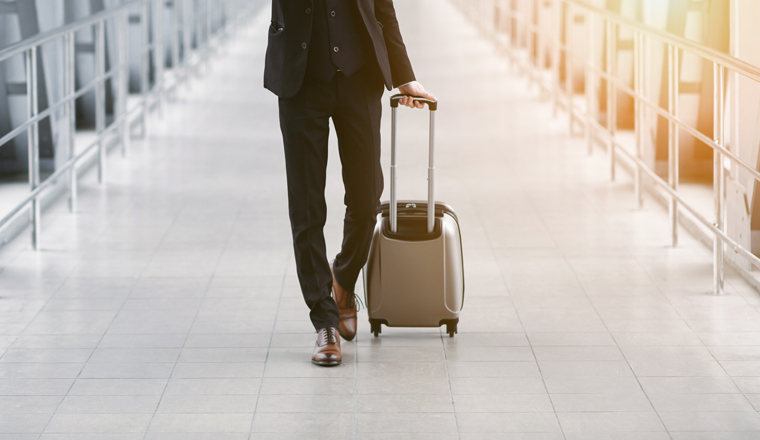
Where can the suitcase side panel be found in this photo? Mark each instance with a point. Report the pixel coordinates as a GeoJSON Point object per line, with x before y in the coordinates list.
{"type": "Point", "coordinates": [453, 265]}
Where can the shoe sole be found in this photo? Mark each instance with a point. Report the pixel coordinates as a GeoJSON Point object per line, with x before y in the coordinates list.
{"type": "Point", "coordinates": [326, 364]}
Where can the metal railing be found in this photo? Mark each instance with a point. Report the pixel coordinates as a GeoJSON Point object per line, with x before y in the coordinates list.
{"type": "Point", "coordinates": [517, 28]}
{"type": "Point", "coordinates": [207, 33]}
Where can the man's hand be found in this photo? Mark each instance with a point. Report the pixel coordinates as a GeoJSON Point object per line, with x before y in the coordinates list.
{"type": "Point", "coordinates": [413, 89]}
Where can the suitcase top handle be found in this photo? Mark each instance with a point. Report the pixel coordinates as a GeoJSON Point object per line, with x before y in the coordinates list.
{"type": "Point", "coordinates": [433, 106]}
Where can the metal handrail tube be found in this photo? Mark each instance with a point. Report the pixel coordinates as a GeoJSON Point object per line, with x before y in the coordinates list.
{"type": "Point", "coordinates": [53, 107]}
{"type": "Point", "coordinates": [685, 126]}
{"type": "Point", "coordinates": [65, 167]}
{"type": "Point", "coordinates": [149, 50]}
{"type": "Point", "coordinates": [58, 32]}
{"type": "Point", "coordinates": [707, 53]}
{"type": "Point", "coordinates": [736, 247]}
{"type": "Point", "coordinates": [517, 45]}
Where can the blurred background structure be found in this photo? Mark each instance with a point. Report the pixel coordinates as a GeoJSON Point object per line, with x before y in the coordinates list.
{"type": "Point", "coordinates": [669, 88]}
{"type": "Point", "coordinates": [75, 77]}
{"type": "Point", "coordinates": [601, 156]}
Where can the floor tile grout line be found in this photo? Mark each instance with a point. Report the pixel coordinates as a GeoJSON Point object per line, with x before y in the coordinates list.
{"type": "Point", "coordinates": [506, 284]}
{"type": "Point", "coordinates": [596, 311]}
{"type": "Point", "coordinates": [355, 342]}
{"type": "Point", "coordinates": [564, 257]}
{"type": "Point", "coordinates": [538, 366]}
{"type": "Point", "coordinates": [524, 332]}
{"type": "Point", "coordinates": [105, 332]}
{"type": "Point", "coordinates": [448, 381]}
{"type": "Point", "coordinates": [49, 298]}
{"type": "Point", "coordinates": [617, 345]}
{"type": "Point", "coordinates": [200, 304]}
{"type": "Point", "coordinates": [696, 334]}
{"type": "Point", "coordinates": [277, 310]}
{"type": "Point", "coordinates": [184, 344]}
{"type": "Point", "coordinates": [56, 216]}
{"type": "Point", "coordinates": [706, 347]}
{"type": "Point", "coordinates": [355, 393]}
{"type": "Point", "coordinates": [62, 200]}
{"type": "Point", "coordinates": [269, 348]}
{"type": "Point", "coordinates": [127, 298]}
{"type": "Point", "coordinates": [47, 301]}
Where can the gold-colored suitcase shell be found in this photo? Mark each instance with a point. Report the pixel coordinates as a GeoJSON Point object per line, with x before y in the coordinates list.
{"type": "Point", "coordinates": [415, 280]}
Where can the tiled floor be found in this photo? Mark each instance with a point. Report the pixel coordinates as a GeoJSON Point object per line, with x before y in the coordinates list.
{"type": "Point", "coordinates": [167, 308]}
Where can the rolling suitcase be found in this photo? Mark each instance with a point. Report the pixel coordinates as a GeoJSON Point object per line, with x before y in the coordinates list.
{"type": "Point", "coordinates": [414, 276]}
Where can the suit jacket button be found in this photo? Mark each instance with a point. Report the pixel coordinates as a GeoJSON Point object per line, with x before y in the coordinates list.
{"type": "Point", "coordinates": [303, 45]}
{"type": "Point", "coordinates": [308, 10]}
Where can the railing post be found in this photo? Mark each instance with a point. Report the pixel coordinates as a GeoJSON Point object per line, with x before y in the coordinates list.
{"type": "Point", "coordinates": [198, 23]}
{"type": "Point", "coordinates": [530, 18]}
{"type": "Point", "coordinates": [175, 39]}
{"type": "Point", "coordinates": [159, 46]}
{"type": "Point", "coordinates": [556, 15]}
{"type": "Point", "coordinates": [222, 21]}
{"type": "Point", "coordinates": [637, 116]}
{"type": "Point", "coordinates": [33, 140]}
{"type": "Point", "coordinates": [589, 82]}
{"type": "Point", "coordinates": [145, 51]}
{"type": "Point", "coordinates": [524, 17]}
{"type": "Point", "coordinates": [638, 82]}
{"type": "Point", "coordinates": [123, 76]}
{"type": "Point", "coordinates": [536, 36]}
{"type": "Point", "coordinates": [673, 138]}
{"type": "Point", "coordinates": [718, 177]}
{"type": "Point", "coordinates": [69, 86]}
{"type": "Point", "coordinates": [569, 63]}
{"type": "Point", "coordinates": [209, 32]}
{"type": "Point", "coordinates": [100, 97]}
{"type": "Point", "coordinates": [508, 29]}
{"type": "Point", "coordinates": [611, 110]}
{"type": "Point", "coordinates": [187, 35]}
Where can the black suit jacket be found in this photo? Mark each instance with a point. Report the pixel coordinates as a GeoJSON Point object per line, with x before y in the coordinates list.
{"type": "Point", "coordinates": [290, 32]}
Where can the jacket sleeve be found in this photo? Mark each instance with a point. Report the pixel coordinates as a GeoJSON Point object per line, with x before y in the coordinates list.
{"type": "Point", "coordinates": [401, 67]}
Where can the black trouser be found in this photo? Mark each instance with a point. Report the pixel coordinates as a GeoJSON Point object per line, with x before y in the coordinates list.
{"type": "Point", "coordinates": [354, 105]}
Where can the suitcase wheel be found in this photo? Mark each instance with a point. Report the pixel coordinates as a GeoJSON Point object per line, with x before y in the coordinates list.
{"type": "Point", "coordinates": [451, 326]}
{"type": "Point", "coordinates": [375, 326]}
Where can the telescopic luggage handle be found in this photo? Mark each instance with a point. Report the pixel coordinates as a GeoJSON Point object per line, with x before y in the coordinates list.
{"type": "Point", "coordinates": [433, 106]}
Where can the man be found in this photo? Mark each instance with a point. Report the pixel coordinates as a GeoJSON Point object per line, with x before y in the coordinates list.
{"type": "Point", "coordinates": [330, 59]}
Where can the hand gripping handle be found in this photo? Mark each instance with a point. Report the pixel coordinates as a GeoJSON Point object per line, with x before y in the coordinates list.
{"type": "Point", "coordinates": [433, 106]}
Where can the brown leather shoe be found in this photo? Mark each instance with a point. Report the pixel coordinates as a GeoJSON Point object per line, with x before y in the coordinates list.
{"type": "Point", "coordinates": [327, 348]}
{"type": "Point", "coordinates": [347, 306]}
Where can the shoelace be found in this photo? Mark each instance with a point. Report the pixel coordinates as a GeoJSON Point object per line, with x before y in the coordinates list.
{"type": "Point", "coordinates": [329, 336]}
{"type": "Point", "coordinates": [352, 300]}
